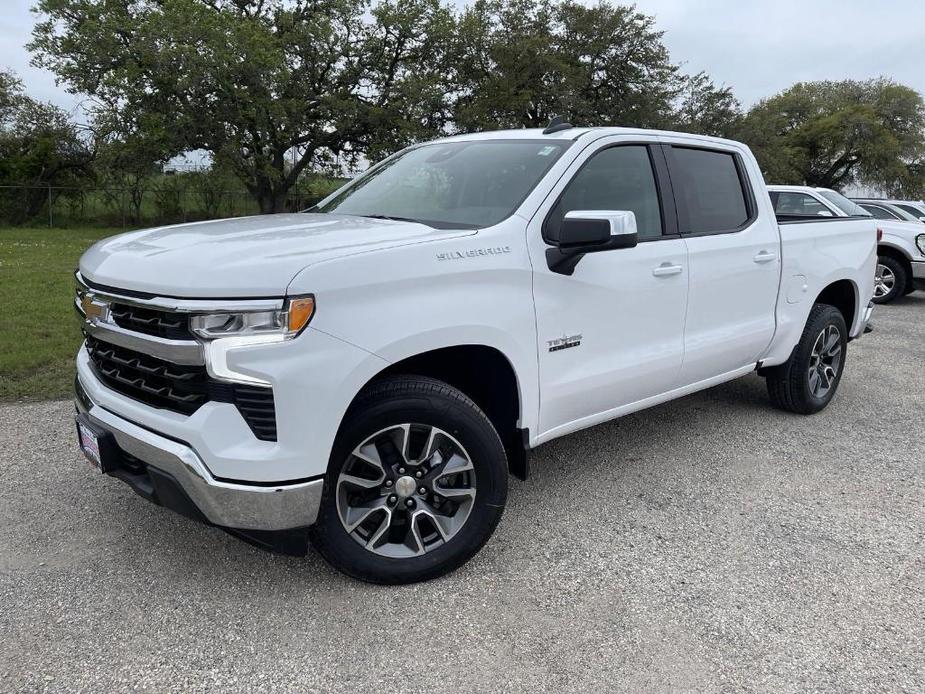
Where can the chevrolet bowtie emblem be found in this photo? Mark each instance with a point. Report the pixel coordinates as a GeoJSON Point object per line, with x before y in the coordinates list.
{"type": "Point", "coordinates": [93, 309]}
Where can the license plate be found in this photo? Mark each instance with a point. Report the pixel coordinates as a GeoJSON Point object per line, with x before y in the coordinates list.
{"type": "Point", "coordinates": [90, 445]}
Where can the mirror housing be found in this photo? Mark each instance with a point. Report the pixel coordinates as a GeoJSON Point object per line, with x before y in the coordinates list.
{"type": "Point", "coordinates": [591, 231]}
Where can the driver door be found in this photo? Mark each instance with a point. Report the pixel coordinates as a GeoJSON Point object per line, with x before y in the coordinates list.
{"type": "Point", "coordinates": [611, 334]}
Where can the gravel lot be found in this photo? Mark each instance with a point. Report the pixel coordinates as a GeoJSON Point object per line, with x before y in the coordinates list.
{"type": "Point", "coordinates": [710, 544]}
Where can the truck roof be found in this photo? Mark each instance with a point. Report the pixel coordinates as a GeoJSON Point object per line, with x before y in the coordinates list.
{"type": "Point", "coordinates": [575, 133]}
{"type": "Point", "coordinates": [801, 189]}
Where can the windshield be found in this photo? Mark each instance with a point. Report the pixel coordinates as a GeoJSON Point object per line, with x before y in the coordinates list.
{"type": "Point", "coordinates": [915, 212]}
{"type": "Point", "coordinates": [451, 184]}
{"type": "Point", "coordinates": [852, 209]}
{"type": "Point", "coordinates": [901, 213]}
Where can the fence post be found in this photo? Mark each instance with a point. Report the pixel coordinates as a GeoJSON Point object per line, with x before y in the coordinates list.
{"type": "Point", "coordinates": [51, 219]}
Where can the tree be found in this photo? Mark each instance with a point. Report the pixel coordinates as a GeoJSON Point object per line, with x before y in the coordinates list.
{"type": "Point", "coordinates": [831, 134]}
{"type": "Point", "coordinates": [39, 148]}
{"type": "Point", "coordinates": [520, 62]}
{"type": "Point", "coordinates": [269, 88]}
{"type": "Point", "coordinates": [707, 109]}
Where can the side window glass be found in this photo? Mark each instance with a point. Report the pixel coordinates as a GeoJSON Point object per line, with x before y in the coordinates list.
{"type": "Point", "coordinates": [707, 184]}
{"type": "Point", "coordinates": [617, 178]}
{"type": "Point", "coordinates": [879, 212]}
{"type": "Point", "coordinates": [800, 204]}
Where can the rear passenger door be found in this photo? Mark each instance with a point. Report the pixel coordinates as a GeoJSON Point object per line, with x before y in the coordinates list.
{"type": "Point", "coordinates": [733, 259]}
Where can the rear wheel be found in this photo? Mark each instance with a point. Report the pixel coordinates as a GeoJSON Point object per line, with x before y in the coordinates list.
{"type": "Point", "coordinates": [416, 483]}
{"type": "Point", "coordinates": [890, 281]}
{"type": "Point", "coordinates": [807, 382]}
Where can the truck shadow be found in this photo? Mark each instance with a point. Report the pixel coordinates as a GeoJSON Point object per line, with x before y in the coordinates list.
{"type": "Point", "coordinates": [192, 551]}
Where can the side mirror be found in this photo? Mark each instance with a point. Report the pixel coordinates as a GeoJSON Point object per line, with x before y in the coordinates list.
{"type": "Point", "coordinates": [590, 231]}
{"type": "Point", "coordinates": [823, 213]}
{"type": "Point", "coordinates": [922, 219]}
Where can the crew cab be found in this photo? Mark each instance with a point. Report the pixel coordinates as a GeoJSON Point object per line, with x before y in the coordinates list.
{"type": "Point", "coordinates": [369, 373]}
{"type": "Point", "coordinates": [900, 251]}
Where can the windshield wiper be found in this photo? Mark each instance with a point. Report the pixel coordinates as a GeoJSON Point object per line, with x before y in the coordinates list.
{"type": "Point", "coordinates": [394, 219]}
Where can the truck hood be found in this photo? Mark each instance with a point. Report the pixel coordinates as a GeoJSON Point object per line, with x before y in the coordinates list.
{"type": "Point", "coordinates": [244, 257]}
{"type": "Point", "coordinates": [904, 229]}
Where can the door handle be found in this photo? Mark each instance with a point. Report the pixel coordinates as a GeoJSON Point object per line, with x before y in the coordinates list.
{"type": "Point", "coordinates": [764, 257]}
{"type": "Point", "coordinates": [667, 269]}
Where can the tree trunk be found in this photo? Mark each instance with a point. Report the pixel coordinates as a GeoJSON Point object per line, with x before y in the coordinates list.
{"type": "Point", "coordinates": [270, 200]}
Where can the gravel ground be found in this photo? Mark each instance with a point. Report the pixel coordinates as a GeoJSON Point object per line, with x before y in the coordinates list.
{"type": "Point", "coordinates": [710, 544]}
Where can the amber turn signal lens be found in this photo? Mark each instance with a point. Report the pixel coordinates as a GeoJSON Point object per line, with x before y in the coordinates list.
{"type": "Point", "coordinates": [300, 312]}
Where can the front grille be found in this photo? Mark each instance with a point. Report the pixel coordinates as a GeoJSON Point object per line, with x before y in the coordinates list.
{"type": "Point", "coordinates": [182, 389]}
{"type": "Point", "coordinates": [148, 379]}
{"type": "Point", "coordinates": [172, 326]}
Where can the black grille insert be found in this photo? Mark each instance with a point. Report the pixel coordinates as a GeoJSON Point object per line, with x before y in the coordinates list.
{"type": "Point", "coordinates": [258, 409]}
{"type": "Point", "coordinates": [148, 379]}
{"type": "Point", "coordinates": [172, 326]}
{"type": "Point", "coordinates": [182, 389]}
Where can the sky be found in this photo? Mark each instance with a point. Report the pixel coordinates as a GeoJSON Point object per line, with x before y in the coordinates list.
{"type": "Point", "coordinates": [758, 47]}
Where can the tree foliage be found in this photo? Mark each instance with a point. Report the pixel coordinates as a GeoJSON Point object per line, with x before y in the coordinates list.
{"type": "Point", "coordinates": [831, 134]}
{"type": "Point", "coordinates": [274, 90]}
{"type": "Point", "coordinates": [39, 147]}
{"type": "Point", "coordinates": [520, 62]}
{"type": "Point", "coordinates": [707, 109]}
{"type": "Point", "coordinates": [268, 87]}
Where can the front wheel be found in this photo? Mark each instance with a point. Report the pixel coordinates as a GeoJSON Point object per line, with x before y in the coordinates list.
{"type": "Point", "coordinates": [416, 483]}
{"type": "Point", "coordinates": [890, 280]}
{"type": "Point", "coordinates": [807, 382]}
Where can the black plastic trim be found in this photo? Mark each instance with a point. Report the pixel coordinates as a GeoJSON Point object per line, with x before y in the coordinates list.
{"type": "Point", "coordinates": [809, 219]}
{"type": "Point", "coordinates": [187, 387]}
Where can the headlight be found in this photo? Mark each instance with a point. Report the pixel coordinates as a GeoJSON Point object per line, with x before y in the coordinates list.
{"type": "Point", "coordinates": [920, 242]}
{"type": "Point", "coordinates": [284, 323]}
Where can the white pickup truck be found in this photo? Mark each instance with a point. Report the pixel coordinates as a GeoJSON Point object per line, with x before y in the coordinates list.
{"type": "Point", "coordinates": [369, 373]}
{"type": "Point", "coordinates": [901, 244]}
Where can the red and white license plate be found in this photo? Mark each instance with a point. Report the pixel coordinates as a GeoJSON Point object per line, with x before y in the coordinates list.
{"type": "Point", "coordinates": [90, 445]}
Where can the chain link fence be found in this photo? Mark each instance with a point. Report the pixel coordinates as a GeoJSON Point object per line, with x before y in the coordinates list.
{"type": "Point", "coordinates": [170, 202]}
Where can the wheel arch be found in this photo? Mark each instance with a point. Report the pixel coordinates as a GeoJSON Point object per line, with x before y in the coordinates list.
{"type": "Point", "coordinates": [486, 375]}
{"type": "Point", "coordinates": [884, 249]}
{"type": "Point", "coordinates": [843, 295]}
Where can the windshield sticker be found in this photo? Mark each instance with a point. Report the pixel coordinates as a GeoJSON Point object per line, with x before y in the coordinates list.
{"type": "Point", "coordinates": [546, 151]}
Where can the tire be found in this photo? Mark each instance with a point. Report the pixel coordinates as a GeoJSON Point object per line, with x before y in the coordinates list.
{"type": "Point", "coordinates": [374, 523]}
{"type": "Point", "coordinates": [793, 386]}
{"type": "Point", "coordinates": [892, 280]}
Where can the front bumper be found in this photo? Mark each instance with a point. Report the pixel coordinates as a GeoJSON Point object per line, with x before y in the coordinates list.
{"type": "Point", "coordinates": [170, 473]}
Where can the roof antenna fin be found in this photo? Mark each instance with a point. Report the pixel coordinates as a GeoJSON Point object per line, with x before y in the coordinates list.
{"type": "Point", "coordinates": [556, 123]}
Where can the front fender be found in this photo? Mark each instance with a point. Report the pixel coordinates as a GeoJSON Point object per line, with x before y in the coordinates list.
{"type": "Point", "coordinates": [399, 302]}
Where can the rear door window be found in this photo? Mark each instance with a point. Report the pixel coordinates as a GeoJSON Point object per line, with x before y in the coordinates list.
{"type": "Point", "coordinates": [709, 185]}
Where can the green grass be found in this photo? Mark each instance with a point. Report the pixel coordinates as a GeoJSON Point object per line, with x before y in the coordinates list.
{"type": "Point", "coordinates": [40, 334]}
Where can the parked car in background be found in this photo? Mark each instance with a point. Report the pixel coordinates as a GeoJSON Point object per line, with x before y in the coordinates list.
{"type": "Point", "coordinates": [900, 251]}
{"type": "Point", "coordinates": [375, 368]}
{"type": "Point", "coordinates": [892, 209]}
